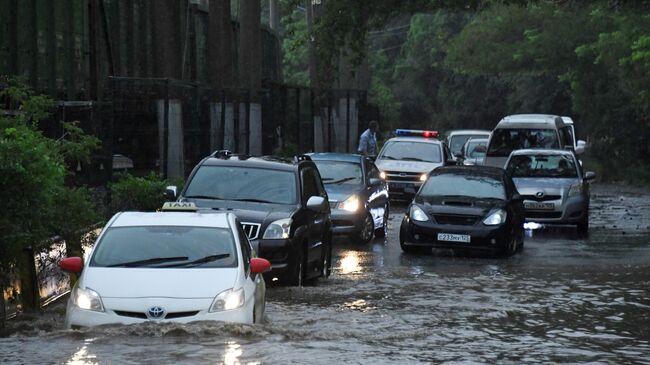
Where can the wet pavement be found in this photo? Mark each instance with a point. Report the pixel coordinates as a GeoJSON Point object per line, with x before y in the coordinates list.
{"type": "Point", "coordinates": [563, 299]}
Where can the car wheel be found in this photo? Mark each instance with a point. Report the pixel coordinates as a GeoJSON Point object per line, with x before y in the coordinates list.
{"type": "Point", "coordinates": [583, 226]}
{"type": "Point", "coordinates": [326, 268]}
{"type": "Point", "coordinates": [383, 231]}
{"type": "Point", "coordinates": [297, 274]}
{"type": "Point", "coordinates": [512, 244]}
{"type": "Point", "coordinates": [367, 229]}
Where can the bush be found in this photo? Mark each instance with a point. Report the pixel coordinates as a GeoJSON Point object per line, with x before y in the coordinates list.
{"type": "Point", "coordinates": [131, 193]}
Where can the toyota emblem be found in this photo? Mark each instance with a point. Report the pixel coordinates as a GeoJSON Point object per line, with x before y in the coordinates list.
{"type": "Point", "coordinates": [540, 194]}
{"type": "Point", "coordinates": [156, 312]}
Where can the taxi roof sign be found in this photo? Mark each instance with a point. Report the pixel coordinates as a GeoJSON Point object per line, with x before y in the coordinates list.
{"type": "Point", "coordinates": [416, 133]}
{"type": "Point", "coordinates": [179, 207]}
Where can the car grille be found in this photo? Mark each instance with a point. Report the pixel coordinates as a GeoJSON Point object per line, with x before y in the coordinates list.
{"type": "Point", "coordinates": [460, 220]}
{"type": "Point", "coordinates": [142, 315]}
{"type": "Point", "coordinates": [252, 230]}
{"type": "Point", "coordinates": [543, 214]}
{"type": "Point", "coordinates": [403, 176]}
{"type": "Point", "coordinates": [542, 199]}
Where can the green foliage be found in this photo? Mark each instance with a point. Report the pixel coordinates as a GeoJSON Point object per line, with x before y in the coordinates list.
{"type": "Point", "coordinates": [288, 151]}
{"type": "Point", "coordinates": [131, 193]}
{"type": "Point", "coordinates": [295, 47]}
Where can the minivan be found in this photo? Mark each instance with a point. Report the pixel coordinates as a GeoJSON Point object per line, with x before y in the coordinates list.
{"type": "Point", "coordinates": [526, 131]}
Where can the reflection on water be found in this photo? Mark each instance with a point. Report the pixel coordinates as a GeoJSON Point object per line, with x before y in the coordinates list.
{"type": "Point", "coordinates": [350, 262]}
{"type": "Point", "coordinates": [82, 356]}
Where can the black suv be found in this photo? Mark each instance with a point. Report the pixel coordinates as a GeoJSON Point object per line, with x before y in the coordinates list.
{"type": "Point", "coordinates": [281, 203]}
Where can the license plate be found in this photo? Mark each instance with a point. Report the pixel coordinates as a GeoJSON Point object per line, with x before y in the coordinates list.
{"type": "Point", "coordinates": [399, 185]}
{"type": "Point", "coordinates": [541, 206]}
{"type": "Point", "coordinates": [449, 237]}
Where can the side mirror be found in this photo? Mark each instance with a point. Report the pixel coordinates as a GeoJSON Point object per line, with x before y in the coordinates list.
{"type": "Point", "coordinates": [72, 264]}
{"type": "Point", "coordinates": [171, 192]}
{"type": "Point", "coordinates": [260, 265]}
{"type": "Point", "coordinates": [374, 181]}
{"type": "Point", "coordinates": [590, 175]}
{"type": "Point", "coordinates": [317, 204]}
{"type": "Point", "coordinates": [516, 197]}
{"type": "Point", "coordinates": [581, 146]}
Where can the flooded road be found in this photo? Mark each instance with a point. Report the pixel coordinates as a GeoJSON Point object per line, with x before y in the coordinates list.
{"type": "Point", "coordinates": [563, 299]}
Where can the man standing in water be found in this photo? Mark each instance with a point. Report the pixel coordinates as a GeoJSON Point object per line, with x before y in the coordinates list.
{"type": "Point", "coordinates": [368, 140]}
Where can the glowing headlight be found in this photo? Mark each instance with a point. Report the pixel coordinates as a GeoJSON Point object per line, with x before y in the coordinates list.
{"type": "Point", "coordinates": [228, 300]}
{"type": "Point", "coordinates": [87, 299]}
{"type": "Point", "coordinates": [350, 204]}
{"type": "Point", "coordinates": [423, 177]}
{"type": "Point", "coordinates": [279, 229]}
{"type": "Point", "coordinates": [497, 217]}
{"type": "Point", "coordinates": [575, 189]}
{"type": "Point", "coordinates": [418, 214]}
{"type": "Point", "coordinates": [382, 175]}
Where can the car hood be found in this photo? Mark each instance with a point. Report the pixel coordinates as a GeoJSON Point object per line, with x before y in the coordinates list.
{"type": "Point", "coordinates": [340, 192]}
{"type": "Point", "coordinates": [406, 166]}
{"type": "Point", "coordinates": [458, 205]}
{"type": "Point", "coordinates": [112, 282]}
{"type": "Point", "coordinates": [262, 213]}
{"type": "Point", "coordinates": [533, 185]}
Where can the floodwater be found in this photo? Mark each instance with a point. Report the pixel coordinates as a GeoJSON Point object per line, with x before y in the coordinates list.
{"type": "Point", "coordinates": [563, 299]}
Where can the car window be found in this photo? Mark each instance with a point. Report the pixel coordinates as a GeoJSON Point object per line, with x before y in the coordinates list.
{"type": "Point", "coordinates": [567, 137]}
{"type": "Point", "coordinates": [310, 184]}
{"type": "Point", "coordinates": [471, 149]}
{"type": "Point", "coordinates": [463, 185]}
{"type": "Point", "coordinates": [120, 245]}
{"type": "Point", "coordinates": [411, 151]}
{"type": "Point", "coordinates": [560, 166]}
{"type": "Point", "coordinates": [505, 140]}
{"type": "Point", "coordinates": [340, 172]}
{"type": "Point", "coordinates": [241, 183]}
{"type": "Point", "coordinates": [457, 141]}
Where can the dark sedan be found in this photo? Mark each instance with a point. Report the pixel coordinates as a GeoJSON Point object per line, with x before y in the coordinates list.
{"type": "Point", "coordinates": [358, 196]}
{"type": "Point", "coordinates": [465, 207]}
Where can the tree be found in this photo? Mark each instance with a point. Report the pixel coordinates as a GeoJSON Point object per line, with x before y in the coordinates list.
{"type": "Point", "coordinates": [166, 39]}
{"type": "Point", "coordinates": [250, 45]}
{"type": "Point", "coordinates": [220, 65]}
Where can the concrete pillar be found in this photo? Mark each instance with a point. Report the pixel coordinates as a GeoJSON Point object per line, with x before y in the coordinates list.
{"type": "Point", "coordinates": [227, 140]}
{"type": "Point", "coordinates": [255, 130]}
{"type": "Point", "coordinates": [175, 155]}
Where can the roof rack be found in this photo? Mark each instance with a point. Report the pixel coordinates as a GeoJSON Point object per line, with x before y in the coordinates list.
{"type": "Point", "coordinates": [298, 158]}
{"type": "Point", "coordinates": [221, 154]}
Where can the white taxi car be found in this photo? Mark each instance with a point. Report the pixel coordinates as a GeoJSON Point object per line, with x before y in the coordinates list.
{"type": "Point", "coordinates": [405, 160]}
{"type": "Point", "coordinates": [168, 266]}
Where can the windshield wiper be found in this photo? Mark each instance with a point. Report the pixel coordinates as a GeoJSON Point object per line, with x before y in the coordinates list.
{"type": "Point", "coordinates": [202, 260]}
{"type": "Point", "coordinates": [340, 181]}
{"type": "Point", "coordinates": [414, 159]}
{"type": "Point", "coordinates": [387, 157]}
{"type": "Point", "coordinates": [253, 200]}
{"type": "Point", "coordinates": [155, 260]}
{"type": "Point", "coordinates": [202, 197]}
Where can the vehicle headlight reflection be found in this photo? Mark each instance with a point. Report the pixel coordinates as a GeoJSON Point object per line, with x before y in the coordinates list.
{"type": "Point", "coordinates": [350, 263]}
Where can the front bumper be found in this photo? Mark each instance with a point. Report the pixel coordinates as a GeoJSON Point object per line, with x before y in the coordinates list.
{"type": "Point", "coordinates": [344, 222]}
{"type": "Point", "coordinates": [184, 311]}
{"type": "Point", "coordinates": [278, 252]}
{"type": "Point", "coordinates": [425, 235]}
{"type": "Point", "coordinates": [565, 211]}
{"type": "Point", "coordinates": [397, 188]}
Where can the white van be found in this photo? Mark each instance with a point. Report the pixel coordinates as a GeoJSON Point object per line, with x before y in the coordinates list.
{"type": "Point", "coordinates": [526, 131]}
{"type": "Point", "coordinates": [579, 145]}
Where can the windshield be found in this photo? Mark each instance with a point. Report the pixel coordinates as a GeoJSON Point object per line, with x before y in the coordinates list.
{"type": "Point", "coordinates": [506, 140]}
{"type": "Point", "coordinates": [560, 166]}
{"type": "Point", "coordinates": [471, 149]}
{"type": "Point", "coordinates": [165, 246]}
{"type": "Point", "coordinates": [337, 172]}
{"type": "Point", "coordinates": [463, 185]}
{"type": "Point", "coordinates": [411, 151]}
{"type": "Point", "coordinates": [243, 183]}
{"type": "Point", "coordinates": [457, 141]}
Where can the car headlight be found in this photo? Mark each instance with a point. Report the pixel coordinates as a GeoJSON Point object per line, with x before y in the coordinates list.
{"type": "Point", "coordinates": [575, 189]}
{"type": "Point", "coordinates": [279, 229]}
{"type": "Point", "coordinates": [350, 204]}
{"type": "Point", "coordinates": [497, 217]}
{"type": "Point", "coordinates": [382, 175]}
{"type": "Point", "coordinates": [87, 299]}
{"type": "Point", "coordinates": [228, 300]}
{"type": "Point", "coordinates": [423, 177]}
{"type": "Point", "coordinates": [417, 214]}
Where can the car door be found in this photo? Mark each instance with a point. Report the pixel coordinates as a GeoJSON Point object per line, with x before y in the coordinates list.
{"type": "Point", "coordinates": [253, 284]}
{"type": "Point", "coordinates": [311, 185]}
{"type": "Point", "coordinates": [376, 196]}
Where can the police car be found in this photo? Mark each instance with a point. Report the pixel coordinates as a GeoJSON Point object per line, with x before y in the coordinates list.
{"type": "Point", "coordinates": [176, 265]}
{"type": "Point", "coordinates": [405, 160]}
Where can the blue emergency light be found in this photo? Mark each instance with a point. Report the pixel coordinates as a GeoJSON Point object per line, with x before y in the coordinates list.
{"type": "Point", "coordinates": [416, 133]}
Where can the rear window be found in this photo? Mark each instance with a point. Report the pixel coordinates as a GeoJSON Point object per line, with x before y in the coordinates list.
{"type": "Point", "coordinates": [505, 140]}
{"type": "Point", "coordinates": [411, 151]}
{"type": "Point", "coordinates": [165, 246]}
{"type": "Point", "coordinates": [464, 185]}
{"type": "Point", "coordinates": [560, 166]}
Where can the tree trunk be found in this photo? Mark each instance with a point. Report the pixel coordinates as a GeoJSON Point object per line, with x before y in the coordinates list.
{"type": "Point", "coordinates": [143, 48]}
{"type": "Point", "coordinates": [313, 12]}
{"type": "Point", "coordinates": [166, 39]}
{"type": "Point", "coordinates": [3, 309]}
{"type": "Point", "coordinates": [30, 297]}
{"type": "Point", "coordinates": [13, 37]}
{"type": "Point", "coordinates": [129, 41]}
{"type": "Point", "coordinates": [32, 45]}
{"type": "Point", "coordinates": [250, 45]}
{"type": "Point", "coordinates": [92, 48]}
{"type": "Point", "coordinates": [70, 59]}
{"type": "Point", "coordinates": [274, 15]}
{"type": "Point", "coordinates": [220, 66]}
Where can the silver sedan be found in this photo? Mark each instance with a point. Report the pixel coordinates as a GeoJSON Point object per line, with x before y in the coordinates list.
{"type": "Point", "coordinates": [553, 186]}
